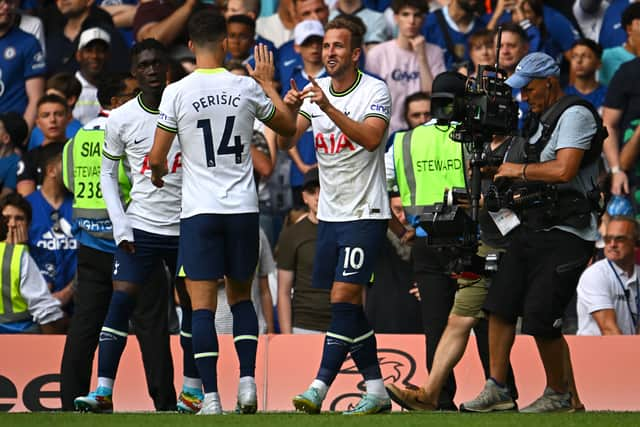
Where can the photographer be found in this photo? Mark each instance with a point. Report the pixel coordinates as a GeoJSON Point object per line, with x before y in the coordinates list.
{"type": "Point", "coordinates": [450, 307]}
{"type": "Point", "coordinates": [551, 243]}
{"type": "Point", "coordinates": [427, 162]}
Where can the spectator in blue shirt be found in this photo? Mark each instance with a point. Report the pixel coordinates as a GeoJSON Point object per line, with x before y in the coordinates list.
{"type": "Point", "coordinates": [51, 243]}
{"type": "Point", "coordinates": [22, 67]}
{"type": "Point", "coordinates": [585, 62]}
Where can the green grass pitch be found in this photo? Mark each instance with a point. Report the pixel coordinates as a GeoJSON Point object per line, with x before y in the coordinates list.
{"type": "Point", "coordinates": [399, 419]}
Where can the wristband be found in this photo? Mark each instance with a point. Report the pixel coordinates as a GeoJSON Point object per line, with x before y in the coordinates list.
{"type": "Point", "coordinates": [615, 169]}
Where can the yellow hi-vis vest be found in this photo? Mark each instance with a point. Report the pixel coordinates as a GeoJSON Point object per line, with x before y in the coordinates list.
{"type": "Point", "coordinates": [13, 308]}
{"type": "Point", "coordinates": [427, 161]}
{"type": "Point", "coordinates": [81, 159]}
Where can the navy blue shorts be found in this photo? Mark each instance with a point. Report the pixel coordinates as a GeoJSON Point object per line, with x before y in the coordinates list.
{"type": "Point", "coordinates": [347, 251]}
{"type": "Point", "coordinates": [213, 246]}
{"type": "Point", "coordinates": [151, 250]}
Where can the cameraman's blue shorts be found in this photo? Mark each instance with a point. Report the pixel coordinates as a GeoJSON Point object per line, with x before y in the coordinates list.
{"type": "Point", "coordinates": [213, 246]}
{"type": "Point", "coordinates": [150, 251]}
{"type": "Point", "coordinates": [347, 251]}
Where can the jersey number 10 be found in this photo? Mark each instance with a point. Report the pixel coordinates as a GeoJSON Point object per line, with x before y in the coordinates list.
{"type": "Point", "coordinates": [224, 147]}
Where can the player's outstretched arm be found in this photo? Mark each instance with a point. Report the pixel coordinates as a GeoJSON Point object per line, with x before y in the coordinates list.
{"type": "Point", "coordinates": [368, 133]}
{"type": "Point", "coordinates": [158, 155]}
{"type": "Point", "coordinates": [284, 119]}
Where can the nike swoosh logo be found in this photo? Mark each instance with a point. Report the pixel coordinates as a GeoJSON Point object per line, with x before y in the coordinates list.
{"type": "Point", "coordinates": [346, 274]}
{"type": "Point", "coordinates": [288, 62]}
{"type": "Point", "coordinates": [314, 116]}
{"type": "Point", "coordinates": [138, 141]}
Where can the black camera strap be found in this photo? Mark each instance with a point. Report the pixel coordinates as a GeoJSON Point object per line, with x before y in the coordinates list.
{"type": "Point", "coordinates": [549, 120]}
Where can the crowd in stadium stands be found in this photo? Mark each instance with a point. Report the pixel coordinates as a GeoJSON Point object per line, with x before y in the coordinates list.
{"type": "Point", "coordinates": [58, 59]}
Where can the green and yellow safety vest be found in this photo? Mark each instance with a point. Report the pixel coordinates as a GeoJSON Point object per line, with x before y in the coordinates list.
{"type": "Point", "coordinates": [81, 161]}
{"type": "Point", "coordinates": [13, 308]}
{"type": "Point", "coordinates": [427, 161]}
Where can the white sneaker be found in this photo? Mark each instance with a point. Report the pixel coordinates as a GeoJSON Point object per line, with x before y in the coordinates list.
{"type": "Point", "coordinates": [211, 405]}
{"type": "Point", "coordinates": [247, 399]}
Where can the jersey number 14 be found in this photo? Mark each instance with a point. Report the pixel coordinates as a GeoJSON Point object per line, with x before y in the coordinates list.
{"type": "Point", "coordinates": [224, 147]}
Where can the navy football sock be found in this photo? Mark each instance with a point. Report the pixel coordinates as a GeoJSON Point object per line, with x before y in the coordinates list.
{"type": "Point", "coordinates": [188, 364]}
{"type": "Point", "coordinates": [338, 340]}
{"type": "Point", "coordinates": [364, 349]}
{"type": "Point", "coordinates": [113, 336]}
{"type": "Point", "coordinates": [205, 348]}
{"type": "Point", "coordinates": [245, 336]}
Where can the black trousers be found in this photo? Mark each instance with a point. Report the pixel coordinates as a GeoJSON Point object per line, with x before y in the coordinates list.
{"type": "Point", "coordinates": [91, 298]}
{"type": "Point", "coordinates": [437, 293]}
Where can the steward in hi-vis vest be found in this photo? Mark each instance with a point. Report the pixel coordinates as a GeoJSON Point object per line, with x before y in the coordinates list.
{"type": "Point", "coordinates": [81, 160]}
{"type": "Point", "coordinates": [13, 307]}
{"type": "Point", "coordinates": [427, 161]}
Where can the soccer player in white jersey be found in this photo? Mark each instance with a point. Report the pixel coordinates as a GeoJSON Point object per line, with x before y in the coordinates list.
{"type": "Point", "coordinates": [349, 113]}
{"type": "Point", "coordinates": [212, 112]}
{"type": "Point", "coordinates": [147, 234]}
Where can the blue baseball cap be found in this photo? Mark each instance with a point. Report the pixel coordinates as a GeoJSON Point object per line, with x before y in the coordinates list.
{"type": "Point", "coordinates": [535, 65]}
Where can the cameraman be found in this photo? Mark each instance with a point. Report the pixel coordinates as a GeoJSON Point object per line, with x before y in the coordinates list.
{"type": "Point", "coordinates": [427, 162]}
{"type": "Point", "coordinates": [550, 247]}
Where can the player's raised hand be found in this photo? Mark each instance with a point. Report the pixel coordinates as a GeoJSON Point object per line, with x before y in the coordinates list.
{"type": "Point", "coordinates": [315, 94]}
{"type": "Point", "coordinates": [293, 98]}
{"type": "Point", "coordinates": [264, 70]}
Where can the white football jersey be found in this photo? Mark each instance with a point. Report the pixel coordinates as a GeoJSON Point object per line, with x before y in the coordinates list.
{"type": "Point", "coordinates": [129, 134]}
{"type": "Point", "coordinates": [352, 179]}
{"type": "Point", "coordinates": [213, 111]}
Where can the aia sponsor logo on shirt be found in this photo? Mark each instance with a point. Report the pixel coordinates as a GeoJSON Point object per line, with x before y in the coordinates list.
{"type": "Point", "coordinates": [174, 165]}
{"type": "Point", "coordinates": [328, 144]}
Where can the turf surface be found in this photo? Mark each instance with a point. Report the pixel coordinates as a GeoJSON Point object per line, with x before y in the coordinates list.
{"type": "Point", "coordinates": [423, 419]}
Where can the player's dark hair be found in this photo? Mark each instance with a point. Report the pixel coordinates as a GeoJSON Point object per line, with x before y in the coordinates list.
{"type": "Point", "coordinates": [206, 26]}
{"type": "Point", "coordinates": [110, 85]}
{"type": "Point", "coordinates": [53, 99]}
{"type": "Point", "coordinates": [351, 23]}
{"type": "Point", "coordinates": [19, 202]}
{"type": "Point", "coordinates": [594, 46]}
{"type": "Point", "coordinates": [397, 5]}
{"type": "Point", "coordinates": [66, 83]}
{"type": "Point", "coordinates": [512, 27]}
{"type": "Point", "coordinates": [244, 20]}
{"type": "Point", "coordinates": [148, 44]}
